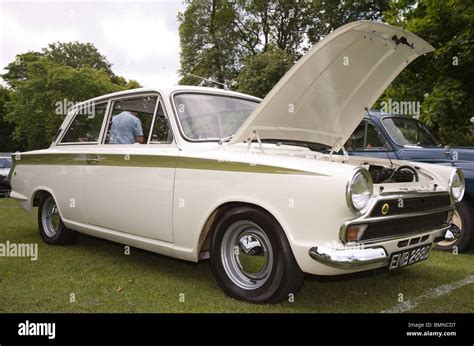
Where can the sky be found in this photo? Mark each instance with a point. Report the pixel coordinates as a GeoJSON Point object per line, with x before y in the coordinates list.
{"type": "Point", "coordinates": [139, 38]}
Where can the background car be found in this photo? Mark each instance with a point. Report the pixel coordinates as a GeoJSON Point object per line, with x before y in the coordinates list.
{"type": "Point", "coordinates": [5, 166]}
{"type": "Point", "coordinates": [405, 138]}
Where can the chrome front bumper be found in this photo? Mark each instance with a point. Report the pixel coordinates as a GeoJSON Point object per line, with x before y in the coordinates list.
{"type": "Point", "coordinates": [358, 256]}
{"type": "Point", "coordinates": [349, 258]}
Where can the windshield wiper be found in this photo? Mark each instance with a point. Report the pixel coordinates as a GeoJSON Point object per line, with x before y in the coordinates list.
{"type": "Point", "coordinates": [225, 139]}
{"type": "Point", "coordinates": [310, 145]}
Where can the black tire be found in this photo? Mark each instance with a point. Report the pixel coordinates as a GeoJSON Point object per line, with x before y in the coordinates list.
{"type": "Point", "coordinates": [465, 242]}
{"type": "Point", "coordinates": [61, 234]}
{"type": "Point", "coordinates": [283, 279]}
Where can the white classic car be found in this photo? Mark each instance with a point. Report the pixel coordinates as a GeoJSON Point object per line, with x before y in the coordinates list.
{"type": "Point", "coordinates": [226, 176]}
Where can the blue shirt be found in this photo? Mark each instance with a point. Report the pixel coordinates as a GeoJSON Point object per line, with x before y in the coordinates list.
{"type": "Point", "coordinates": [125, 128]}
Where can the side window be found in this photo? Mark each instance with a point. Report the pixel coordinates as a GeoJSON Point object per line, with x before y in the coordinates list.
{"type": "Point", "coordinates": [161, 130]}
{"type": "Point", "coordinates": [365, 137]}
{"type": "Point", "coordinates": [130, 120]}
{"type": "Point", "coordinates": [86, 125]}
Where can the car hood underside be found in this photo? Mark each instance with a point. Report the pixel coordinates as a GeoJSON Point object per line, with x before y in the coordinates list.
{"type": "Point", "coordinates": [323, 97]}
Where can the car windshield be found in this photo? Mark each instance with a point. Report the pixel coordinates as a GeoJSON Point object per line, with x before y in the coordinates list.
{"type": "Point", "coordinates": [5, 163]}
{"type": "Point", "coordinates": [211, 117]}
{"type": "Point", "coordinates": [407, 131]}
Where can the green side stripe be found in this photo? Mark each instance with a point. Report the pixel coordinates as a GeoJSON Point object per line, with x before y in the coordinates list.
{"type": "Point", "coordinates": [122, 160]}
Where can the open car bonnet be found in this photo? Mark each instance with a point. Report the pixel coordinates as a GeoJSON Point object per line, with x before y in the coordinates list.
{"type": "Point", "coordinates": [323, 97]}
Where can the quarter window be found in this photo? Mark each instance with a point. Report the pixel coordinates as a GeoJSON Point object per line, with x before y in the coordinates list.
{"type": "Point", "coordinates": [85, 128]}
{"type": "Point", "coordinates": [161, 130]}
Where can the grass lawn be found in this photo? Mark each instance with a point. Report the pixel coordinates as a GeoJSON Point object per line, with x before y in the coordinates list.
{"type": "Point", "coordinates": [104, 279]}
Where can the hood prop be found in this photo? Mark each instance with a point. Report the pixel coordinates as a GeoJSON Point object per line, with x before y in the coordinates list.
{"type": "Point", "coordinates": [338, 146]}
{"type": "Point", "coordinates": [255, 135]}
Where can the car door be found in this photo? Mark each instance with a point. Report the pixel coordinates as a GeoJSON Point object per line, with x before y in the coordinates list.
{"type": "Point", "coordinates": [366, 140]}
{"type": "Point", "coordinates": [129, 187]}
{"type": "Point", "coordinates": [70, 157]}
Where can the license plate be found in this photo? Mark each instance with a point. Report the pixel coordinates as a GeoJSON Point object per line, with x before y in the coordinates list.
{"type": "Point", "coordinates": [407, 257]}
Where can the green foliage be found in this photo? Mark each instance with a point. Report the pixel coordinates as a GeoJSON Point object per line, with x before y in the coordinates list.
{"type": "Point", "coordinates": [263, 71]}
{"type": "Point", "coordinates": [208, 43]}
{"type": "Point", "coordinates": [327, 15]}
{"type": "Point", "coordinates": [33, 104]}
{"type": "Point", "coordinates": [443, 80]}
{"type": "Point", "coordinates": [62, 72]}
{"type": "Point", "coordinates": [220, 37]}
{"type": "Point", "coordinates": [77, 55]}
{"type": "Point", "coordinates": [6, 128]}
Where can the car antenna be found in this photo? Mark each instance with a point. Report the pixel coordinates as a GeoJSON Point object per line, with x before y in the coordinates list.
{"type": "Point", "coordinates": [209, 80]}
{"type": "Point", "coordinates": [384, 145]}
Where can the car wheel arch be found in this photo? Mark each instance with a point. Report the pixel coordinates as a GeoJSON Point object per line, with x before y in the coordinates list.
{"type": "Point", "coordinates": [212, 220]}
{"type": "Point", "coordinates": [40, 193]}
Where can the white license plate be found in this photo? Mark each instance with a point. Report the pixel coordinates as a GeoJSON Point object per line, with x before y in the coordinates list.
{"type": "Point", "coordinates": [407, 257]}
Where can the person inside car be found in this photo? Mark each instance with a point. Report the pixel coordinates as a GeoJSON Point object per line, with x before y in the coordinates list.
{"type": "Point", "coordinates": [126, 129]}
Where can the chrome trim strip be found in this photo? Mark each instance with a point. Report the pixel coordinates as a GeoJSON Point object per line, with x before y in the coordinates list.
{"type": "Point", "coordinates": [349, 258]}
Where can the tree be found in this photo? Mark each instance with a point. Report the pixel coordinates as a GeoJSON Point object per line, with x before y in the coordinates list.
{"type": "Point", "coordinates": [72, 54]}
{"type": "Point", "coordinates": [63, 73]}
{"type": "Point", "coordinates": [77, 55]}
{"type": "Point", "coordinates": [329, 15]}
{"type": "Point", "coordinates": [33, 105]}
{"type": "Point", "coordinates": [441, 81]}
{"type": "Point", "coordinates": [208, 43]}
{"type": "Point", "coordinates": [263, 71]}
{"type": "Point", "coordinates": [6, 128]}
{"type": "Point", "coordinates": [219, 37]}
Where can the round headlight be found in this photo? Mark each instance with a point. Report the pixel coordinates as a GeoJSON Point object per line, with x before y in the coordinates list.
{"type": "Point", "coordinates": [456, 185]}
{"type": "Point", "coordinates": [359, 190]}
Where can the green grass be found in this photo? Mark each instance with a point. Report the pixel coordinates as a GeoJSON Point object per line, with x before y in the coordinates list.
{"type": "Point", "coordinates": [104, 279]}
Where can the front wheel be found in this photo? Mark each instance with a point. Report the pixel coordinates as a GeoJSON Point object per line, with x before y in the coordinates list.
{"type": "Point", "coordinates": [464, 219]}
{"type": "Point", "coordinates": [251, 258]}
{"type": "Point", "coordinates": [51, 226]}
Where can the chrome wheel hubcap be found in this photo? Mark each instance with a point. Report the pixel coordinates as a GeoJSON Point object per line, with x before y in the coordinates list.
{"type": "Point", "coordinates": [50, 218]}
{"type": "Point", "coordinates": [457, 221]}
{"type": "Point", "coordinates": [247, 255]}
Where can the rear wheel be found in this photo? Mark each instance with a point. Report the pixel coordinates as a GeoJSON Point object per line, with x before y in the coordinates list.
{"type": "Point", "coordinates": [251, 258]}
{"type": "Point", "coordinates": [51, 227]}
{"type": "Point", "coordinates": [464, 219]}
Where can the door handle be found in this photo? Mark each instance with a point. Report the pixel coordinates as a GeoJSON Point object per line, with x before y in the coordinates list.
{"type": "Point", "coordinates": [92, 158]}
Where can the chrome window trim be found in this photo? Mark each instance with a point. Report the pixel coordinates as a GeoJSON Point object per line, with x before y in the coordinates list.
{"type": "Point", "coordinates": [133, 96]}
{"type": "Point", "coordinates": [59, 142]}
{"type": "Point", "coordinates": [160, 101]}
{"type": "Point", "coordinates": [365, 217]}
{"type": "Point", "coordinates": [178, 122]}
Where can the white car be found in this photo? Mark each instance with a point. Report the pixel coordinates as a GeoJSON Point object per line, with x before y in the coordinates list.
{"type": "Point", "coordinates": [226, 176]}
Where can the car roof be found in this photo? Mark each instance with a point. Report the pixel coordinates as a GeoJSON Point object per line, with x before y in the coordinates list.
{"type": "Point", "coordinates": [168, 89]}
